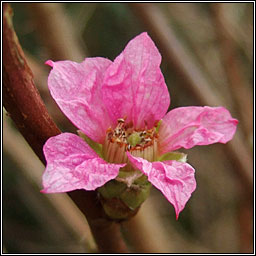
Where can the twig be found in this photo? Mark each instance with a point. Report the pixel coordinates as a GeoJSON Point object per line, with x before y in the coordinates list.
{"type": "Point", "coordinates": [20, 96]}
{"type": "Point", "coordinates": [23, 103]}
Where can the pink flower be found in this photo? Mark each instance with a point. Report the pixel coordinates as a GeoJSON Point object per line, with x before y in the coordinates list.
{"type": "Point", "coordinates": [119, 105]}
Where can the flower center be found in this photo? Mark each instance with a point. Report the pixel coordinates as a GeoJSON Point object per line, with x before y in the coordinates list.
{"type": "Point", "coordinates": [140, 143]}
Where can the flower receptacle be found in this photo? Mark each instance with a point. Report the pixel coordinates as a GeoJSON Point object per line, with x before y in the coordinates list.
{"type": "Point", "coordinates": [121, 200]}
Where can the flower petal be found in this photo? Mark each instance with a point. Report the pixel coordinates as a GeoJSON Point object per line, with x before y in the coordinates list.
{"type": "Point", "coordinates": [76, 87]}
{"type": "Point", "coordinates": [72, 164]}
{"type": "Point", "coordinates": [189, 126]}
{"type": "Point", "coordinates": [134, 85]}
{"type": "Point", "coordinates": [174, 179]}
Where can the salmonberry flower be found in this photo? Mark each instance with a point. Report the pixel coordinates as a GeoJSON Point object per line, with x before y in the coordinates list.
{"type": "Point", "coordinates": [126, 140]}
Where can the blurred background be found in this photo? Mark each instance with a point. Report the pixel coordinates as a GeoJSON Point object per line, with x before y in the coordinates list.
{"type": "Point", "coordinates": [207, 59]}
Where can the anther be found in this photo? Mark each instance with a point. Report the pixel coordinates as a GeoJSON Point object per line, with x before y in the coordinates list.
{"type": "Point", "coordinates": [120, 120]}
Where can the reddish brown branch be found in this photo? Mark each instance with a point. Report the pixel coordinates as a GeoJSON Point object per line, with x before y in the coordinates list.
{"type": "Point", "coordinates": [24, 104]}
{"type": "Point", "coordinates": [20, 96]}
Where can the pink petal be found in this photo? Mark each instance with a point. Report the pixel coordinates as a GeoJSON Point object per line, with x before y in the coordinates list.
{"type": "Point", "coordinates": [76, 87]}
{"type": "Point", "coordinates": [72, 164]}
{"type": "Point", "coordinates": [65, 144]}
{"type": "Point", "coordinates": [174, 179]}
{"type": "Point", "coordinates": [134, 85]}
{"type": "Point", "coordinates": [189, 126]}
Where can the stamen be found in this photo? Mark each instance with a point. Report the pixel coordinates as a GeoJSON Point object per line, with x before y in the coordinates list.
{"type": "Point", "coordinates": [146, 153]}
{"type": "Point", "coordinates": [120, 120]}
{"type": "Point", "coordinates": [155, 151]}
{"type": "Point", "coordinates": [140, 143]}
{"type": "Point", "coordinates": [111, 152]}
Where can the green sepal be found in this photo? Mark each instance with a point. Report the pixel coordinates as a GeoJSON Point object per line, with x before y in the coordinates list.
{"type": "Point", "coordinates": [142, 180]}
{"type": "Point", "coordinates": [178, 156]}
{"type": "Point", "coordinates": [123, 196]}
{"type": "Point", "coordinates": [112, 189]}
{"type": "Point", "coordinates": [135, 195]}
{"type": "Point", "coordinates": [94, 145]}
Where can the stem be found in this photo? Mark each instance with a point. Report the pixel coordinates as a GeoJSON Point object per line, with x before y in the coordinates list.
{"type": "Point", "coordinates": [26, 108]}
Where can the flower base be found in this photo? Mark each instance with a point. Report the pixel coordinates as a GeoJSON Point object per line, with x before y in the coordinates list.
{"type": "Point", "coordinates": [121, 201]}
